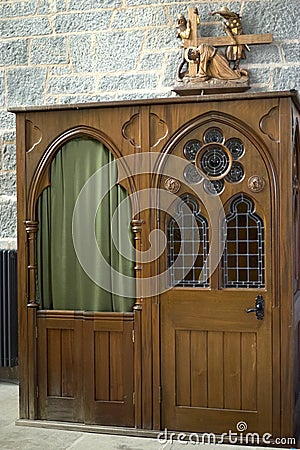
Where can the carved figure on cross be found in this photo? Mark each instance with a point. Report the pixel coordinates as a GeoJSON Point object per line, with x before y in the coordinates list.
{"type": "Point", "coordinates": [203, 62]}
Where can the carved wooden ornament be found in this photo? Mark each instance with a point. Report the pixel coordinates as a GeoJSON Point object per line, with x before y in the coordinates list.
{"type": "Point", "coordinates": [256, 183]}
{"type": "Point", "coordinates": [172, 185]}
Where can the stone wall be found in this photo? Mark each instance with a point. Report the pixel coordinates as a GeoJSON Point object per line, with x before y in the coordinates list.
{"type": "Point", "coordinates": [71, 51]}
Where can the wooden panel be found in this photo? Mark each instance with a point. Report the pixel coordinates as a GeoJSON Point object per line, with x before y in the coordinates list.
{"type": "Point", "coordinates": [232, 370]}
{"type": "Point", "coordinates": [67, 361]}
{"type": "Point", "coordinates": [60, 368]}
{"type": "Point", "coordinates": [211, 368]}
{"type": "Point", "coordinates": [60, 345]}
{"type": "Point", "coordinates": [116, 366]}
{"type": "Point", "coordinates": [183, 368]}
{"type": "Point", "coordinates": [215, 372]}
{"type": "Point", "coordinates": [199, 368]}
{"type": "Point", "coordinates": [109, 378]}
{"type": "Point", "coordinates": [249, 371]}
{"type": "Point", "coordinates": [101, 343]}
{"type": "Point", "coordinates": [138, 367]}
{"type": "Point", "coordinates": [53, 353]}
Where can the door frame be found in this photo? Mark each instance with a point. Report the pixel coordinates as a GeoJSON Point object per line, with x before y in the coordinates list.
{"type": "Point", "coordinates": [276, 320]}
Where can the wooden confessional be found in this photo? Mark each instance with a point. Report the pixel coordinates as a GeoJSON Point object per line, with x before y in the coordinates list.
{"type": "Point", "coordinates": [216, 340]}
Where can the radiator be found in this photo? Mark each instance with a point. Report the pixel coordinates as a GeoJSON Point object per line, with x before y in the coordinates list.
{"type": "Point", "coordinates": [8, 309]}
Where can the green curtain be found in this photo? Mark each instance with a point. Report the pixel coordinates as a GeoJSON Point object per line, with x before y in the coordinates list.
{"type": "Point", "coordinates": [61, 282]}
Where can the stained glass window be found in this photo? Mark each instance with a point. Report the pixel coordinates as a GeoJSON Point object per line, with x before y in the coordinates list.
{"type": "Point", "coordinates": [243, 260]}
{"type": "Point", "coordinates": [188, 245]}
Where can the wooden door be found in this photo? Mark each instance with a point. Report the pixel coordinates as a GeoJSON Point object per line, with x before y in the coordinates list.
{"type": "Point", "coordinates": [60, 370]}
{"type": "Point", "coordinates": [85, 367]}
{"type": "Point", "coordinates": [216, 358]}
{"type": "Point", "coordinates": [109, 378]}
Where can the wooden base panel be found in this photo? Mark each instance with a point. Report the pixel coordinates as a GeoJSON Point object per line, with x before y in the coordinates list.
{"type": "Point", "coordinates": [194, 87]}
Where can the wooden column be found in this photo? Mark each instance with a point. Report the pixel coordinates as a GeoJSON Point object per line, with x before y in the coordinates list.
{"type": "Point", "coordinates": [137, 229]}
{"type": "Point", "coordinates": [31, 230]}
{"type": "Point", "coordinates": [32, 306]}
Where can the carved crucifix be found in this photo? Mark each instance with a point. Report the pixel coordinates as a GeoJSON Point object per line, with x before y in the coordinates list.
{"type": "Point", "coordinates": [209, 68]}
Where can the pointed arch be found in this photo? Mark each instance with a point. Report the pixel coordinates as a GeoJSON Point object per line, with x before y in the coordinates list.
{"type": "Point", "coordinates": [243, 260]}
{"type": "Point", "coordinates": [188, 245]}
{"type": "Point", "coordinates": [63, 282]}
{"type": "Point", "coordinates": [41, 177]}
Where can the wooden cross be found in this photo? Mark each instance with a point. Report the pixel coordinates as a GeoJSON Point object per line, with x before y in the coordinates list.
{"type": "Point", "coordinates": [220, 41]}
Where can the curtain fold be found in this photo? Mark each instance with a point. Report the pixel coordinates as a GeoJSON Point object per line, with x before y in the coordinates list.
{"type": "Point", "coordinates": [62, 282]}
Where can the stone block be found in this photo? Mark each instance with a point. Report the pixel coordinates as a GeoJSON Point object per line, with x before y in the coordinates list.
{"type": "Point", "coordinates": [7, 120]}
{"type": "Point", "coordinates": [135, 17]}
{"type": "Point", "coordinates": [52, 100]}
{"type": "Point", "coordinates": [286, 78]}
{"type": "Point", "coordinates": [2, 88]}
{"type": "Point", "coordinates": [8, 243]}
{"type": "Point", "coordinates": [60, 70]}
{"type": "Point", "coordinates": [262, 54]}
{"type": "Point", "coordinates": [151, 61]}
{"type": "Point", "coordinates": [25, 86]}
{"type": "Point", "coordinates": [162, 38]}
{"type": "Point", "coordinates": [49, 50]}
{"type": "Point", "coordinates": [169, 76]}
{"type": "Point", "coordinates": [8, 218]}
{"type": "Point", "coordinates": [70, 85]}
{"type": "Point", "coordinates": [259, 75]}
{"type": "Point", "coordinates": [31, 26]}
{"type": "Point", "coordinates": [128, 82]}
{"type": "Point", "coordinates": [73, 99]}
{"type": "Point", "coordinates": [14, 52]}
{"type": "Point", "coordinates": [145, 2]}
{"type": "Point", "coordinates": [8, 136]}
{"type": "Point", "coordinates": [49, 6]}
{"type": "Point", "coordinates": [282, 19]}
{"type": "Point", "coordinates": [143, 94]}
{"type": "Point", "coordinates": [117, 51]}
{"type": "Point", "coordinates": [90, 21]}
{"type": "Point", "coordinates": [9, 157]}
{"type": "Point", "coordinates": [8, 183]}
{"type": "Point", "coordinates": [21, 8]}
{"type": "Point", "coordinates": [83, 53]}
{"type": "Point", "coordinates": [81, 5]}
{"type": "Point", "coordinates": [292, 52]}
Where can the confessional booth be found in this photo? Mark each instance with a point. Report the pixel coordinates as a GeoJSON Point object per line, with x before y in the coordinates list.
{"type": "Point", "coordinates": [159, 270]}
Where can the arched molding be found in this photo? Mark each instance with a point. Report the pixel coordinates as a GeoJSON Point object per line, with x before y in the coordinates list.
{"type": "Point", "coordinates": [219, 118]}
{"type": "Point", "coordinates": [254, 138]}
{"type": "Point", "coordinates": [41, 176]}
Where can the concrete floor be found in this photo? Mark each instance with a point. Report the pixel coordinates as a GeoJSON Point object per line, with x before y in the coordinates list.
{"type": "Point", "coordinates": [14, 437]}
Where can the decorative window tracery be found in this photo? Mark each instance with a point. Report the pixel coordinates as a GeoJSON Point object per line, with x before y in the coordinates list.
{"type": "Point", "coordinates": [214, 157]}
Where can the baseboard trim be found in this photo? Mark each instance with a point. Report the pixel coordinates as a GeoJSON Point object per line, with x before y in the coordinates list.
{"type": "Point", "coordinates": [83, 428]}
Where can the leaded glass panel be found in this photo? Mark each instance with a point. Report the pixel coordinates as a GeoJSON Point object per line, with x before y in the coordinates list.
{"type": "Point", "coordinates": [243, 261]}
{"type": "Point", "coordinates": [188, 245]}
